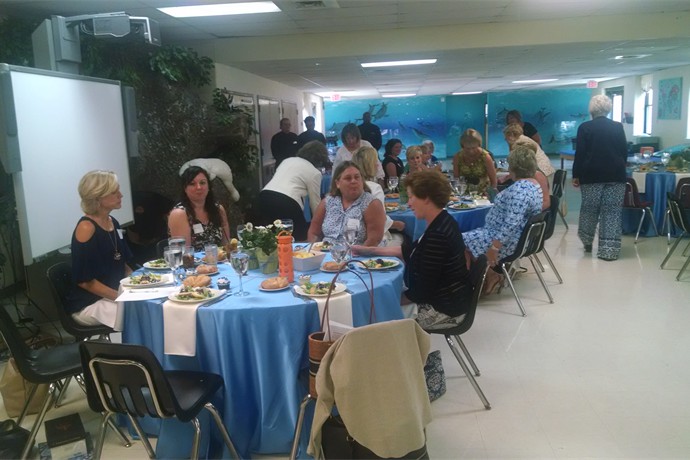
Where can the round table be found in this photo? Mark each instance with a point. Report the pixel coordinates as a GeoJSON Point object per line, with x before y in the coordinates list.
{"type": "Point", "coordinates": [467, 219]}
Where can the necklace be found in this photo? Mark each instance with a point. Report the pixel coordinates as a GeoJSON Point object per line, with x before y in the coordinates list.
{"type": "Point", "coordinates": [113, 239]}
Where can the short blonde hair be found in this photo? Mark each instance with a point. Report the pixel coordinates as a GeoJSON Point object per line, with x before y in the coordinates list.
{"type": "Point", "coordinates": [513, 129]}
{"type": "Point", "coordinates": [470, 136]}
{"type": "Point", "coordinates": [94, 186]}
{"type": "Point", "coordinates": [413, 151]}
{"type": "Point", "coordinates": [525, 143]}
{"type": "Point", "coordinates": [366, 158]}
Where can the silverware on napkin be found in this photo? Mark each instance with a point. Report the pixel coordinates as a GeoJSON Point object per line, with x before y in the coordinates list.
{"type": "Point", "coordinates": [217, 299]}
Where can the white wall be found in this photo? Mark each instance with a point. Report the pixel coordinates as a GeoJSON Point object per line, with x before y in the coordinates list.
{"type": "Point", "coordinates": [670, 132]}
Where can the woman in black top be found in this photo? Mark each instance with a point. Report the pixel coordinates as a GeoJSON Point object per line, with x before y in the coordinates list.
{"type": "Point", "coordinates": [436, 272]}
{"type": "Point", "coordinates": [392, 165]}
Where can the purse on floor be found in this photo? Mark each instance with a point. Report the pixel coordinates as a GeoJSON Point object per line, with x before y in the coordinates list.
{"type": "Point", "coordinates": [12, 439]}
{"type": "Point", "coordinates": [435, 376]}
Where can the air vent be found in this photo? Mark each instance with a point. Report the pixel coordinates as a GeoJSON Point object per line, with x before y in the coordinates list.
{"type": "Point", "coordinates": [315, 4]}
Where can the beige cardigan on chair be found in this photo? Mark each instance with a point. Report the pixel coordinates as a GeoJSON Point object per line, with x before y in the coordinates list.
{"type": "Point", "coordinates": [375, 375]}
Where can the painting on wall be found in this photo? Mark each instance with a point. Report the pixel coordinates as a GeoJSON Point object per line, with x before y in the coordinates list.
{"type": "Point", "coordinates": [411, 119]}
{"type": "Point", "coordinates": [670, 91]}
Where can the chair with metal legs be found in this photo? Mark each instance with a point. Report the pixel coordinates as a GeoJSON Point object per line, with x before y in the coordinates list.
{"type": "Point", "coordinates": [632, 201]}
{"type": "Point", "coordinates": [128, 379]}
{"type": "Point", "coordinates": [683, 195]}
{"type": "Point", "coordinates": [681, 222]}
{"type": "Point", "coordinates": [548, 232]}
{"type": "Point", "coordinates": [528, 245]}
{"type": "Point", "coordinates": [558, 189]}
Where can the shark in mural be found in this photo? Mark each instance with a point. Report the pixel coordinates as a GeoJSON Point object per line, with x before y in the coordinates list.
{"type": "Point", "coordinates": [420, 134]}
{"type": "Point", "coordinates": [541, 115]}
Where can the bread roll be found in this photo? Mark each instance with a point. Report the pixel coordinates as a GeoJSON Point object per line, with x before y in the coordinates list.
{"type": "Point", "coordinates": [202, 269]}
{"type": "Point", "coordinates": [332, 266]}
{"type": "Point", "coordinates": [197, 281]}
{"type": "Point", "coordinates": [274, 283]}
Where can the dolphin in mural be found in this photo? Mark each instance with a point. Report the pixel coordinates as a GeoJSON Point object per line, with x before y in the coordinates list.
{"type": "Point", "coordinates": [420, 134]}
{"type": "Point", "coordinates": [381, 112]}
{"type": "Point", "coordinates": [403, 127]}
{"type": "Point", "coordinates": [541, 115]}
{"type": "Point", "coordinates": [501, 115]}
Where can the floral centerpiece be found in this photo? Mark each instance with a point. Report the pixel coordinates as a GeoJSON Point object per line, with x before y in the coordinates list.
{"type": "Point", "coordinates": [262, 240]}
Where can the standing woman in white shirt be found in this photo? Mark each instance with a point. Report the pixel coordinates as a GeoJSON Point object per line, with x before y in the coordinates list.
{"type": "Point", "coordinates": [295, 179]}
{"type": "Point", "coordinates": [352, 141]}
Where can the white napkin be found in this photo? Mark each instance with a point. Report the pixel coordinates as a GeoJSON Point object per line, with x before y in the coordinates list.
{"type": "Point", "coordinates": [134, 295]}
{"type": "Point", "coordinates": [640, 179]}
{"type": "Point", "coordinates": [179, 328]}
{"type": "Point", "coordinates": [339, 308]}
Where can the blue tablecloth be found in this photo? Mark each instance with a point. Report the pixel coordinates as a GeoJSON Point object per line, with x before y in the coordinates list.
{"type": "Point", "coordinates": [258, 344]}
{"type": "Point", "coordinates": [467, 220]}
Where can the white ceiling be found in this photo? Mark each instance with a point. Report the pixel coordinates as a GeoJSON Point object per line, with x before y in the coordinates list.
{"type": "Point", "coordinates": [481, 45]}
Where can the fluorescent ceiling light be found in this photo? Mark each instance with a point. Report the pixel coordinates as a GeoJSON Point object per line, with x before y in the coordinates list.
{"type": "Point", "coordinates": [397, 63]}
{"type": "Point", "coordinates": [349, 93]}
{"type": "Point", "coordinates": [466, 93]}
{"type": "Point", "coordinates": [545, 80]}
{"type": "Point", "coordinates": [222, 9]}
{"type": "Point", "coordinates": [399, 95]}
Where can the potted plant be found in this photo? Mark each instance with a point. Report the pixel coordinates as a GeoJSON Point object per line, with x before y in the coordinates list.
{"type": "Point", "coordinates": [262, 241]}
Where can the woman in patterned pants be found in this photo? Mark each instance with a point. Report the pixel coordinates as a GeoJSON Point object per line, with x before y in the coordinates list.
{"type": "Point", "coordinates": [599, 171]}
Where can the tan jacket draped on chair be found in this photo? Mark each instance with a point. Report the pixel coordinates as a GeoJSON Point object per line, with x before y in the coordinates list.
{"type": "Point", "coordinates": [375, 375]}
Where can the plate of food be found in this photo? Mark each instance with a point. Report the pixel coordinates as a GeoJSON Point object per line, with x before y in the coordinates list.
{"type": "Point", "coordinates": [323, 246]}
{"type": "Point", "coordinates": [319, 289]}
{"type": "Point", "coordinates": [462, 206]}
{"type": "Point", "coordinates": [381, 264]}
{"type": "Point", "coordinates": [158, 264]}
{"type": "Point", "coordinates": [390, 207]}
{"type": "Point", "coordinates": [146, 280]}
{"type": "Point", "coordinates": [392, 195]}
{"type": "Point", "coordinates": [188, 294]}
{"type": "Point", "coordinates": [206, 270]}
{"type": "Point", "coordinates": [331, 266]}
{"type": "Point", "coordinates": [277, 283]}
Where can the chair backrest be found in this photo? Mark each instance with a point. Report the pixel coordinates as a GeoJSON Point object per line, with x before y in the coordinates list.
{"type": "Point", "coordinates": [683, 192]}
{"type": "Point", "coordinates": [551, 218]}
{"type": "Point", "coordinates": [21, 353]}
{"type": "Point", "coordinates": [632, 196]}
{"type": "Point", "coordinates": [126, 379]}
{"type": "Point", "coordinates": [477, 276]}
{"type": "Point", "coordinates": [530, 239]}
{"type": "Point", "coordinates": [678, 216]}
{"type": "Point", "coordinates": [559, 178]}
{"type": "Point", "coordinates": [60, 282]}
{"type": "Point", "coordinates": [160, 246]}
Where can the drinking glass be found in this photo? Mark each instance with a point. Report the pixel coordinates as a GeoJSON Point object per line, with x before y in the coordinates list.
{"type": "Point", "coordinates": [454, 186]}
{"type": "Point", "coordinates": [177, 241]}
{"type": "Point", "coordinates": [392, 183]}
{"type": "Point", "coordinates": [188, 257]}
{"type": "Point", "coordinates": [240, 229]}
{"type": "Point", "coordinates": [211, 254]}
{"type": "Point", "coordinates": [646, 154]}
{"type": "Point", "coordinates": [665, 158]}
{"type": "Point", "coordinates": [339, 250]}
{"type": "Point", "coordinates": [288, 225]}
{"type": "Point", "coordinates": [173, 257]}
{"type": "Point", "coordinates": [462, 186]}
{"type": "Point", "coordinates": [240, 262]}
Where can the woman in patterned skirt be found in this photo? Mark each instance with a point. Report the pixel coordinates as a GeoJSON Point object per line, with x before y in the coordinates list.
{"type": "Point", "coordinates": [599, 172]}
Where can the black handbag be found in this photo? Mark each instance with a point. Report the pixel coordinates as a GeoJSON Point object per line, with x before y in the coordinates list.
{"type": "Point", "coordinates": [12, 439]}
{"type": "Point", "coordinates": [337, 443]}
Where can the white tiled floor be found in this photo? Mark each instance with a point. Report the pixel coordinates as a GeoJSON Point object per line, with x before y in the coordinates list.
{"type": "Point", "coordinates": [601, 373]}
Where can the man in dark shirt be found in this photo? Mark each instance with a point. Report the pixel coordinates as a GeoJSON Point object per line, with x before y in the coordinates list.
{"type": "Point", "coordinates": [310, 134]}
{"type": "Point", "coordinates": [284, 143]}
{"type": "Point", "coordinates": [369, 131]}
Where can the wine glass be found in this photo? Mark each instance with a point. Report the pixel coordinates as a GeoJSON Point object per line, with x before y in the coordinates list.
{"type": "Point", "coordinates": [173, 257]}
{"type": "Point", "coordinates": [454, 186]}
{"type": "Point", "coordinates": [392, 183]}
{"type": "Point", "coordinates": [665, 158]}
{"type": "Point", "coordinates": [646, 154]}
{"type": "Point", "coordinates": [240, 262]}
{"type": "Point", "coordinates": [240, 230]}
{"type": "Point", "coordinates": [462, 186]}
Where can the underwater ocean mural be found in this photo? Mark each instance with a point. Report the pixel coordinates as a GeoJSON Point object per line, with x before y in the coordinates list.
{"type": "Point", "coordinates": [556, 113]}
{"type": "Point", "coordinates": [411, 119]}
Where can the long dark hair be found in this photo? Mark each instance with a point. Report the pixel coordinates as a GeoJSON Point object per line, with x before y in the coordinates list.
{"type": "Point", "coordinates": [210, 205]}
{"type": "Point", "coordinates": [389, 146]}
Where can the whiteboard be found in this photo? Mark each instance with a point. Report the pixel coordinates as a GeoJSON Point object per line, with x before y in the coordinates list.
{"type": "Point", "coordinates": [66, 125]}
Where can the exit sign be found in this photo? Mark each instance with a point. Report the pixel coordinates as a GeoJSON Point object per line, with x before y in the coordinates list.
{"type": "Point", "coordinates": [592, 84]}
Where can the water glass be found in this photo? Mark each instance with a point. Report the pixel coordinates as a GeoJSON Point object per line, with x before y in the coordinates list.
{"type": "Point", "coordinates": [240, 230]}
{"type": "Point", "coordinates": [240, 262]}
{"type": "Point", "coordinates": [177, 241]}
{"type": "Point", "coordinates": [392, 183]}
{"type": "Point", "coordinates": [288, 225]}
{"type": "Point", "coordinates": [173, 257]}
{"type": "Point", "coordinates": [339, 251]}
{"type": "Point", "coordinates": [211, 254]}
{"type": "Point", "coordinates": [188, 257]}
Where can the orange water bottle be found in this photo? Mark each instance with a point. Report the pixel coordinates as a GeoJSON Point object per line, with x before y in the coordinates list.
{"type": "Point", "coordinates": [285, 256]}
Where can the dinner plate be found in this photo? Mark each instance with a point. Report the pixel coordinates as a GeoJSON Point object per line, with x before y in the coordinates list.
{"type": "Point", "coordinates": [328, 270]}
{"type": "Point", "coordinates": [274, 289]}
{"type": "Point", "coordinates": [318, 247]}
{"type": "Point", "coordinates": [339, 287]}
{"type": "Point", "coordinates": [391, 209]}
{"type": "Point", "coordinates": [462, 206]}
{"type": "Point", "coordinates": [152, 267]}
{"type": "Point", "coordinates": [216, 293]}
{"type": "Point", "coordinates": [393, 261]}
{"type": "Point", "coordinates": [165, 279]}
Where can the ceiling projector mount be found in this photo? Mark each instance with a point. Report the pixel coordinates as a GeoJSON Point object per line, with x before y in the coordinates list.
{"type": "Point", "coordinates": [56, 41]}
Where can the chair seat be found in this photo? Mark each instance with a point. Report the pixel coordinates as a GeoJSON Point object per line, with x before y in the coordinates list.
{"type": "Point", "coordinates": [50, 364]}
{"type": "Point", "coordinates": [192, 390]}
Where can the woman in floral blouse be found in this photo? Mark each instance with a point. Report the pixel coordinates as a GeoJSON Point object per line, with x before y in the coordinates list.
{"type": "Point", "coordinates": [474, 163]}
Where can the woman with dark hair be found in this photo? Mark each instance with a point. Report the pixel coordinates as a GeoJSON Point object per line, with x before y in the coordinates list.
{"type": "Point", "coordinates": [352, 141]}
{"type": "Point", "coordinates": [295, 179]}
{"type": "Point", "coordinates": [348, 204]}
{"type": "Point", "coordinates": [392, 164]}
{"type": "Point", "coordinates": [436, 273]}
{"type": "Point", "coordinates": [197, 217]}
{"type": "Point", "coordinates": [528, 129]}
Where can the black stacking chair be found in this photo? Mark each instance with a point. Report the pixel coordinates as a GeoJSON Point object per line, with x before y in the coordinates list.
{"type": "Point", "coordinates": [680, 221]}
{"type": "Point", "coordinates": [477, 275]}
{"type": "Point", "coordinates": [529, 244]}
{"type": "Point", "coordinates": [60, 281]}
{"type": "Point", "coordinates": [128, 379]}
{"type": "Point", "coordinates": [548, 232]}
{"type": "Point", "coordinates": [558, 188]}
{"type": "Point", "coordinates": [683, 195]}
{"type": "Point", "coordinates": [632, 201]}
{"type": "Point", "coordinates": [44, 366]}
{"type": "Point", "coordinates": [160, 247]}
